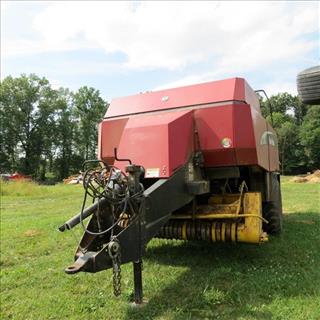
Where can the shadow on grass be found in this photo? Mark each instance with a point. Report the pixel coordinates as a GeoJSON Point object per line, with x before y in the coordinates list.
{"type": "Point", "coordinates": [236, 281]}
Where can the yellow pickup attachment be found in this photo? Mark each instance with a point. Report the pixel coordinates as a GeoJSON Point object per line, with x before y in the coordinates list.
{"type": "Point", "coordinates": [226, 218]}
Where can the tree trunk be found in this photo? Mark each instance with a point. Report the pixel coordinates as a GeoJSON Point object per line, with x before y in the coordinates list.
{"type": "Point", "coordinates": [43, 170]}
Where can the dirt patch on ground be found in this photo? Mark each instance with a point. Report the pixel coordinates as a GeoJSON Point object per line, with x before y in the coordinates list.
{"type": "Point", "coordinates": [74, 179]}
{"type": "Point", "coordinates": [313, 178]}
{"type": "Point", "coordinates": [32, 233]}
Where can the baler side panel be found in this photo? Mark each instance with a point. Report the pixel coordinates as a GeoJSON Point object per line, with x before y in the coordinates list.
{"type": "Point", "coordinates": [252, 98]}
{"type": "Point", "coordinates": [146, 145]}
{"type": "Point", "coordinates": [260, 128]}
{"type": "Point", "coordinates": [181, 142]}
{"type": "Point", "coordinates": [160, 143]}
{"type": "Point", "coordinates": [273, 150]}
{"type": "Point", "coordinates": [110, 133]}
{"type": "Point", "coordinates": [214, 125]}
{"type": "Point", "coordinates": [244, 142]}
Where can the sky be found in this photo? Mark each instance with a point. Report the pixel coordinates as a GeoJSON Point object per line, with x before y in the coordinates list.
{"type": "Point", "coordinates": [123, 48]}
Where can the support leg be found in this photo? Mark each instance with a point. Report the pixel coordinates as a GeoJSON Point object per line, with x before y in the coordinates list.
{"type": "Point", "coordinates": [137, 274]}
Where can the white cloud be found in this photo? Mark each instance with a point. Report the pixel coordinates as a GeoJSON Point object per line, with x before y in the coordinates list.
{"type": "Point", "coordinates": [230, 35]}
{"type": "Point", "coordinates": [267, 41]}
{"type": "Point", "coordinates": [280, 86]}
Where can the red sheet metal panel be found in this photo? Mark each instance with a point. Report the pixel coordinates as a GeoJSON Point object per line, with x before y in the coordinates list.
{"type": "Point", "coordinates": [233, 133]}
{"type": "Point", "coordinates": [226, 135]}
{"type": "Point", "coordinates": [215, 91]}
{"type": "Point", "coordinates": [215, 125]}
{"type": "Point", "coordinates": [181, 140]}
{"type": "Point", "coordinates": [259, 129]}
{"type": "Point", "coordinates": [273, 149]}
{"type": "Point", "coordinates": [160, 143]}
{"type": "Point", "coordinates": [110, 132]}
{"type": "Point", "coordinates": [251, 97]}
{"type": "Point", "coordinates": [244, 142]}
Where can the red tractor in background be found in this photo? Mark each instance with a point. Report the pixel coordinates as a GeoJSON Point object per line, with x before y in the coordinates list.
{"type": "Point", "coordinates": [192, 163]}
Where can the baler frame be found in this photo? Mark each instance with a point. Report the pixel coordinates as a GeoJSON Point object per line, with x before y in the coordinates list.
{"type": "Point", "coordinates": [212, 176]}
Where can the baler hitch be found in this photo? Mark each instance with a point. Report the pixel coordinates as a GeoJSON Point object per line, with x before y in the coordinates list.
{"type": "Point", "coordinates": [116, 214]}
{"type": "Point", "coordinates": [124, 218]}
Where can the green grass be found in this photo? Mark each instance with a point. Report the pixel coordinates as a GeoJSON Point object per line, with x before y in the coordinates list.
{"type": "Point", "coordinates": [276, 280]}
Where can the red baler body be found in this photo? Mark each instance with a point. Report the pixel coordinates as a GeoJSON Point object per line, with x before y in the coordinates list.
{"type": "Point", "coordinates": [161, 130]}
{"type": "Point", "coordinates": [203, 167]}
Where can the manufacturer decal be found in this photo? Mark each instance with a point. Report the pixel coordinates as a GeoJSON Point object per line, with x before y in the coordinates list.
{"type": "Point", "coordinates": [165, 98]}
{"type": "Point", "coordinates": [153, 173]}
{"type": "Point", "coordinates": [226, 142]}
{"type": "Point", "coordinates": [269, 138]}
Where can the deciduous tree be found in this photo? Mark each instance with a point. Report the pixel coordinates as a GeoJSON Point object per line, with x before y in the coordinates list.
{"type": "Point", "coordinates": [89, 109]}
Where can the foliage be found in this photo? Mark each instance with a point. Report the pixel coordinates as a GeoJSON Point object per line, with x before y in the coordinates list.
{"type": "Point", "coordinates": [89, 108]}
{"type": "Point", "coordinates": [297, 128]}
{"type": "Point", "coordinates": [27, 112]}
{"type": "Point", "coordinates": [43, 129]}
{"type": "Point", "coordinates": [182, 280]}
{"type": "Point", "coordinates": [65, 135]}
{"type": "Point", "coordinates": [284, 103]}
{"type": "Point", "coordinates": [310, 136]}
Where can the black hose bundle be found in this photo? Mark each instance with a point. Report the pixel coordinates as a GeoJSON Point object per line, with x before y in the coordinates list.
{"type": "Point", "coordinates": [111, 184]}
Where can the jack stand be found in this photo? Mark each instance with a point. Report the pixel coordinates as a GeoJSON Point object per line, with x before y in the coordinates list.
{"type": "Point", "coordinates": [137, 275]}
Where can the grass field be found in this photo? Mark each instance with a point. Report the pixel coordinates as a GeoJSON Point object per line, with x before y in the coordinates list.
{"type": "Point", "coordinates": [277, 280]}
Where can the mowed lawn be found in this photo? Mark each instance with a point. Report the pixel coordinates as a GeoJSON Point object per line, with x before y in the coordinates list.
{"type": "Point", "coordinates": [276, 280]}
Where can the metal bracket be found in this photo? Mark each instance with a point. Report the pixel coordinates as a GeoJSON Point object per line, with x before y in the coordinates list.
{"type": "Point", "coordinates": [80, 263]}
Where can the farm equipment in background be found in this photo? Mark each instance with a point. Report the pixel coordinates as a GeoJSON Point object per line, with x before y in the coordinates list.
{"type": "Point", "coordinates": [16, 176]}
{"type": "Point", "coordinates": [192, 163]}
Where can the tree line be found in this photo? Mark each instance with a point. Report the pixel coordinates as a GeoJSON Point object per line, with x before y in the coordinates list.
{"type": "Point", "coordinates": [50, 132]}
{"type": "Point", "coordinates": [46, 131]}
{"type": "Point", "coordinates": [298, 131]}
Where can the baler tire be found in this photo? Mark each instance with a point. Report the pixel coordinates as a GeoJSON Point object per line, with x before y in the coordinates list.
{"type": "Point", "coordinates": [272, 210]}
{"type": "Point", "coordinates": [308, 85]}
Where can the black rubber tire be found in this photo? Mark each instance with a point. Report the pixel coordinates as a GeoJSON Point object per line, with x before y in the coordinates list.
{"type": "Point", "coordinates": [308, 85]}
{"type": "Point", "coordinates": [272, 210]}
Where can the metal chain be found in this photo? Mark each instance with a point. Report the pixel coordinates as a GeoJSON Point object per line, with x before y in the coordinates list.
{"type": "Point", "coordinates": [114, 253]}
{"type": "Point", "coordinates": [116, 265]}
